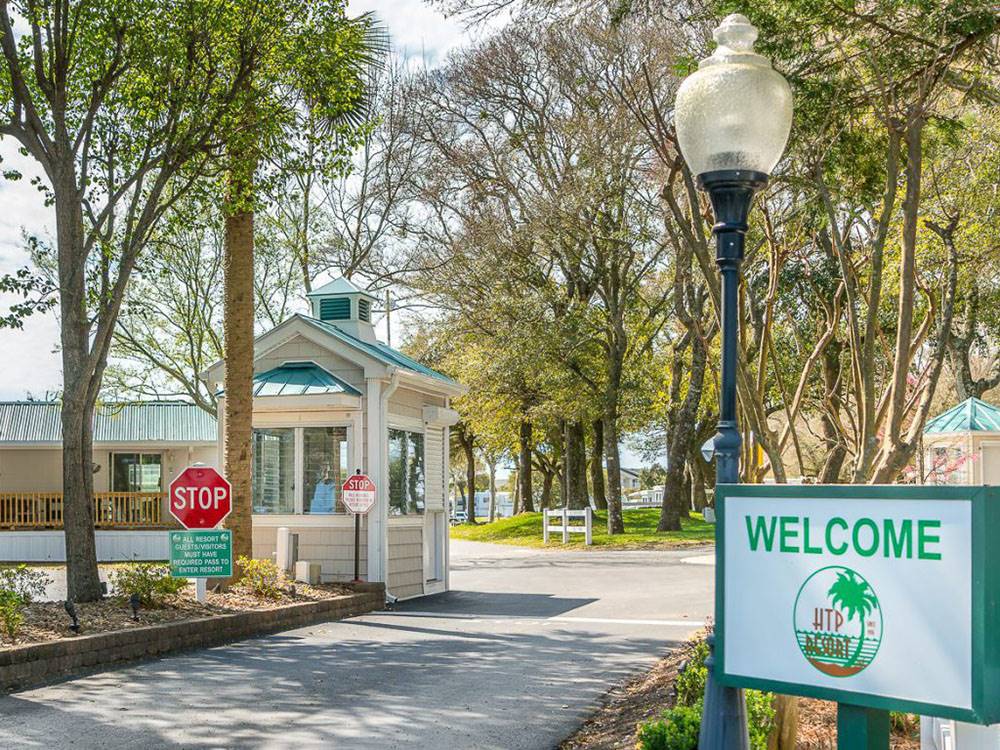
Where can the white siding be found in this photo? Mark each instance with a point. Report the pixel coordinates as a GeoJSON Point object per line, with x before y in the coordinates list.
{"type": "Point", "coordinates": [331, 547]}
{"type": "Point", "coordinates": [406, 560]}
{"type": "Point", "coordinates": [434, 468]}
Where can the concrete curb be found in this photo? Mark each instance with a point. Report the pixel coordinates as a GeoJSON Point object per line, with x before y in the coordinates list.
{"type": "Point", "coordinates": [35, 664]}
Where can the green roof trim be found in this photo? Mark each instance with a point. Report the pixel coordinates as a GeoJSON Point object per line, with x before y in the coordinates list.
{"type": "Point", "coordinates": [972, 415]}
{"type": "Point", "coordinates": [31, 422]}
{"type": "Point", "coordinates": [380, 351]}
{"type": "Point", "coordinates": [300, 379]}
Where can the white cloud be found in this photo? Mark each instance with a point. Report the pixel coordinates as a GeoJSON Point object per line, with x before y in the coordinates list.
{"type": "Point", "coordinates": [418, 33]}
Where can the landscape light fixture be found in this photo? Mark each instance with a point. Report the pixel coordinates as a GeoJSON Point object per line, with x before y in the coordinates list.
{"type": "Point", "coordinates": [733, 116]}
{"type": "Point", "coordinates": [71, 611]}
{"type": "Point", "coordinates": [134, 601]}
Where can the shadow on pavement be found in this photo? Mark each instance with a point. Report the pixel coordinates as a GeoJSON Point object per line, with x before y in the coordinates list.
{"type": "Point", "coordinates": [489, 603]}
{"type": "Point", "coordinates": [333, 685]}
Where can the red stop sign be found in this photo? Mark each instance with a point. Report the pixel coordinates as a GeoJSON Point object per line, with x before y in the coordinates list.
{"type": "Point", "coordinates": [200, 497]}
{"type": "Point", "coordinates": [359, 494]}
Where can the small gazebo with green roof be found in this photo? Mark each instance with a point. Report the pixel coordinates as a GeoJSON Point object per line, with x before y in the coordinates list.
{"type": "Point", "coordinates": [962, 445]}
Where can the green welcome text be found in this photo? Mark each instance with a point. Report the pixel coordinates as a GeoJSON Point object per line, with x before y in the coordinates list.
{"type": "Point", "coordinates": [892, 538]}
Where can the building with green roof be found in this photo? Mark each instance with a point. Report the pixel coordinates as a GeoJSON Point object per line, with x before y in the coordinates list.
{"type": "Point", "coordinates": [330, 399]}
{"type": "Point", "coordinates": [962, 445]}
{"type": "Point", "coordinates": [139, 447]}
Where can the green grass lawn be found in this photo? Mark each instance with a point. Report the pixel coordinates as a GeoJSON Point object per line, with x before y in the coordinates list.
{"type": "Point", "coordinates": [640, 531]}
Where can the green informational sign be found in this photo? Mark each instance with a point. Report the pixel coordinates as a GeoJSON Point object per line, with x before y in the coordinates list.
{"type": "Point", "coordinates": [201, 553]}
{"type": "Point", "coordinates": [882, 597]}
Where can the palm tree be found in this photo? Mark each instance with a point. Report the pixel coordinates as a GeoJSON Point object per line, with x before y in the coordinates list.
{"type": "Point", "coordinates": [853, 595]}
{"type": "Point", "coordinates": [316, 64]}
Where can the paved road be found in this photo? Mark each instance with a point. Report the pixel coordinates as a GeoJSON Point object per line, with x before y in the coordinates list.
{"type": "Point", "coordinates": [514, 657]}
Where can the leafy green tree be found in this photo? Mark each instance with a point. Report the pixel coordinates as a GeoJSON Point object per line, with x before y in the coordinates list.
{"type": "Point", "coordinates": [121, 104]}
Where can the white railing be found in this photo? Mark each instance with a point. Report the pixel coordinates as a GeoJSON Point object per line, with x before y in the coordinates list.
{"type": "Point", "coordinates": [564, 516]}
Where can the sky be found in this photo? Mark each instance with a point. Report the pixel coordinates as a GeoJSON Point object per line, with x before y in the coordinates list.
{"type": "Point", "coordinates": [419, 34]}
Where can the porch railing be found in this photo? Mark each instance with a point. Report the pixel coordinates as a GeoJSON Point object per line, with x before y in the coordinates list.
{"type": "Point", "coordinates": [112, 510]}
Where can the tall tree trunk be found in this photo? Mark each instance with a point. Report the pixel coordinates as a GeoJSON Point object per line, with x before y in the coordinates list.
{"type": "Point", "coordinates": [576, 466]}
{"type": "Point", "coordinates": [597, 466]}
{"type": "Point", "coordinates": [680, 436]}
{"type": "Point", "coordinates": [616, 524]}
{"type": "Point", "coordinates": [698, 483]}
{"type": "Point", "coordinates": [468, 446]}
{"type": "Point", "coordinates": [563, 466]}
{"type": "Point", "coordinates": [238, 333]}
{"type": "Point", "coordinates": [82, 579]}
{"type": "Point", "coordinates": [836, 450]}
{"type": "Point", "coordinates": [492, 467]}
{"type": "Point", "coordinates": [524, 466]}
{"type": "Point", "coordinates": [516, 507]}
{"type": "Point", "coordinates": [238, 304]}
{"type": "Point", "coordinates": [547, 478]}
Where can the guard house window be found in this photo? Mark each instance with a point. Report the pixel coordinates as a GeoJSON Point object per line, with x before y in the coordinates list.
{"type": "Point", "coordinates": [325, 467]}
{"type": "Point", "coordinates": [274, 471]}
{"type": "Point", "coordinates": [299, 469]}
{"type": "Point", "coordinates": [406, 472]}
{"type": "Point", "coordinates": [136, 472]}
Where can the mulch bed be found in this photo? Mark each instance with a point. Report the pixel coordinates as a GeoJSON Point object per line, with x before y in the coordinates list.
{"type": "Point", "coordinates": [613, 724]}
{"type": "Point", "coordinates": [48, 621]}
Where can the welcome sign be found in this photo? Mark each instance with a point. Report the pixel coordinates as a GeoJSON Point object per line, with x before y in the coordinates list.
{"type": "Point", "coordinates": [879, 596]}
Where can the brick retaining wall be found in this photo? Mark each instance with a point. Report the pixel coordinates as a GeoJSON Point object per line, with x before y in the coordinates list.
{"type": "Point", "coordinates": [32, 665]}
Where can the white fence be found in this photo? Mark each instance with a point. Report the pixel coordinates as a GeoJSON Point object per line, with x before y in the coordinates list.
{"type": "Point", "coordinates": [564, 516]}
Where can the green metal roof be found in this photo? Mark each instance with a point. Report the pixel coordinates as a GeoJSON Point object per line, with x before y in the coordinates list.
{"type": "Point", "coordinates": [340, 286]}
{"type": "Point", "coordinates": [379, 351]}
{"type": "Point", "coordinates": [300, 379]}
{"type": "Point", "coordinates": [137, 422]}
{"type": "Point", "coordinates": [972, 415]}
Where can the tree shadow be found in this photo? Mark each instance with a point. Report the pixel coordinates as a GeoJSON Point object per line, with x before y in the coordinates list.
{"type": "Point", "coordinates": [362, 683]}
{"type": "Point", "coordinates": [484, 603]}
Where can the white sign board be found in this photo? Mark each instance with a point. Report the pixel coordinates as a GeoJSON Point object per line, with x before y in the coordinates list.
{"type": "Point", "coordinates": [865, 595]}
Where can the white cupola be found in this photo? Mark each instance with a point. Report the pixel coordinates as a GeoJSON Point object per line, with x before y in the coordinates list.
{"type": "Point", "coordinates": [345, 305]}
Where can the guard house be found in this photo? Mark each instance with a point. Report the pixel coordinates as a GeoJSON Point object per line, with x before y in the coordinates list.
{"type": "Point", "coordinates": [329, 399]}
{"type": "Point", "coordinates": [962, 445]}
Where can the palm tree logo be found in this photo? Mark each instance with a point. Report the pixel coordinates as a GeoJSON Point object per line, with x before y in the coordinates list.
{"type": "Point", "coordinates": [838, 621]}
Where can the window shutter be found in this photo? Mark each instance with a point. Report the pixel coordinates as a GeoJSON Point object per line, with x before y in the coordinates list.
{"type": "Point", "coordinates": [364, 310]}
{"type": "Point", "coordinates": [335, 308]}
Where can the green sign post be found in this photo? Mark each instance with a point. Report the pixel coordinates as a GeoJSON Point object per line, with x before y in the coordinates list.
{"type": "Point", "coordinates": [201, 553]}
{"type": "Point", "coordinates": [881, 598]}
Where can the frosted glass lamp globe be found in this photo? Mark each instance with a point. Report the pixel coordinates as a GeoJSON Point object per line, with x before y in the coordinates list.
{"type": "Point", "coordinates": [735, 111]}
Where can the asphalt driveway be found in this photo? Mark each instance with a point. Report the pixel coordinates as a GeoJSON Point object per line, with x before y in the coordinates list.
{"type": "Point", "coordinates": [514, 657]}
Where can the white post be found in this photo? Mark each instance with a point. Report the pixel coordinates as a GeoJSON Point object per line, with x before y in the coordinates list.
{"type": "Point", "coordinates": [590, 526]}
{"type": "Point", "coordinates": [200, 588]}
{"type": "Point", "coordinates": [565, 525]}
{"type": "Point", "coordinates": [545, 525]}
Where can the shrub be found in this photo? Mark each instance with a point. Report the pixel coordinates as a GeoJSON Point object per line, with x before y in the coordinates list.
{"type": "Point", "coordinates": [689, 688]}
{"type": "Point", "coordinates": [27, 583]}
{"type": "Point", "coordinates": [690, 684]}
{"type": "Point", "coordinates": [11, 615]}
{"type": "Point", "coordinates": [760, 717]}
{"type": "Point", "coordinates": [260, 577]}
{"type": "Point", "coordinates": [151, 581]}
{"type": "Point", "coordinates": [677, 730]}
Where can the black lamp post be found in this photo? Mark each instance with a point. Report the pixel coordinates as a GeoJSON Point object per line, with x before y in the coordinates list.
{"type": "Point", "coordinates": [733, 116]}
